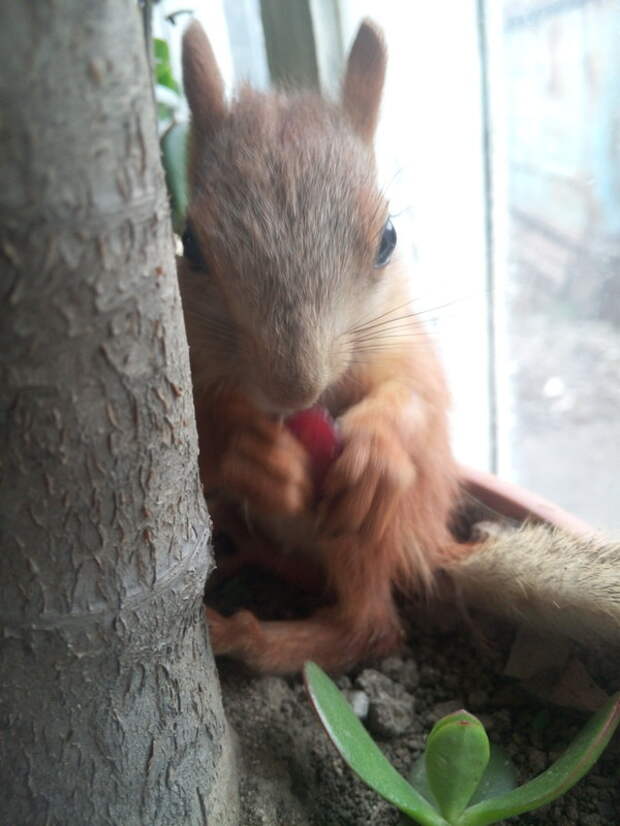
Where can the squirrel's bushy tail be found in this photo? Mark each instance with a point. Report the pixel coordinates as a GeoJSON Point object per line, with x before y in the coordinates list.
{"type": "Point", "coordinates": [547, 579]}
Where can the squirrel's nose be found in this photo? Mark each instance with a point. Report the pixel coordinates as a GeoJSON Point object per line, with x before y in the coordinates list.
{"type": "Point", "coordinates": [282, 404]}
{"type": "Point", "coordinates": [290, 392]}
{"type": "Point", "coordinates": [291, 398]}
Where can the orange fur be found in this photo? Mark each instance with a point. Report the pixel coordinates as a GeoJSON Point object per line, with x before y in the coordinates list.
{"type": "Point", "coordinates": [286, 211]}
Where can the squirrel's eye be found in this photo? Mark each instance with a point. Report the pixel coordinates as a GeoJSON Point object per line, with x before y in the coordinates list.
{"type": "Point", "coordinates": [191, 250]}
{"type": "Point", "coordinates": [386, 246]}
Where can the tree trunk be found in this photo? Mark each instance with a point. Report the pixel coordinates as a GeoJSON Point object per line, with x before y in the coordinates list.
{"type": "Point", "coordinates": [110, 710]}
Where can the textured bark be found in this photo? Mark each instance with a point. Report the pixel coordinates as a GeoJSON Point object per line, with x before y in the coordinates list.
{"type": "Point", "coordinates": [110, 710]}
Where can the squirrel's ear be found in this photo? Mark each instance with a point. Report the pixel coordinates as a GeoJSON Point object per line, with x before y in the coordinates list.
{"type": "Point", "coordinates": [363, 81]}
{"type": "Point", "coordinates": [202, 80]}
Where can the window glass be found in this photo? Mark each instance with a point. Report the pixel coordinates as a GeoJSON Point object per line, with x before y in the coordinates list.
{"type": "Point", "coordinates": [432, 165]}
{"type": "Point", "coordinates": [556, 70]}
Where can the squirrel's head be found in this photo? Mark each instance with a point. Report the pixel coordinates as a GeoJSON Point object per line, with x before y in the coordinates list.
{"type": "Point", "coordinates": [288, 237]}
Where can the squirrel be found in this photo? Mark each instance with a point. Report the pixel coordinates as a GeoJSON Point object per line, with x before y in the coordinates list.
{"type": "Point", "coordinates": [294, 296]}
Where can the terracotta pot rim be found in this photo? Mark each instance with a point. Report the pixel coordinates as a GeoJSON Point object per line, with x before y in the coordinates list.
{"type": "Point", "coordinates": [517, 503]}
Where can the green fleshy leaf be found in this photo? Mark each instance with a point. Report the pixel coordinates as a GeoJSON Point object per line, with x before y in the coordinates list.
{"type": "Point", "coordinates": [419, 780]}
{"type": "Point", "coordinates": [161, 50]}
{"type": "Point", "coordinates": [499, 777]}
{"type": "Point", "coordinates": [360, 752]}
{"type": "Point", "coordinates": [457, 754]}
{"type": "Point", "coordinates": [163, 67]}
{"type": "Point", "coordinates": [576, 761]}
{"type": "Point", "coordinates": [174, 155]}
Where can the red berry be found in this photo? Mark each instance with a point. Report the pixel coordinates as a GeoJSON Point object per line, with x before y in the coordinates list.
{"type": "Point", "coordinates": [318, 433]}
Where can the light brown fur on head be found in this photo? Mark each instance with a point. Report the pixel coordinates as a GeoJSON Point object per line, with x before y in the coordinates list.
{"type": "Point", "coordinates": [284, 306]}
{"type": "Point", "coordinates": [287, 277]}
{"type": "Point", "coordinates": [285, 205]}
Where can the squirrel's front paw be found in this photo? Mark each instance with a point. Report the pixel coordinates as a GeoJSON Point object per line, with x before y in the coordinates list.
{"type": "Point", "coordinates": [366, 482]}
{"type": "Point", "coordinates": [268, 468]}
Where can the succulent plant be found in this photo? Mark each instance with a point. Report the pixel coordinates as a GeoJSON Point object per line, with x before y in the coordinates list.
{"type": "Point", "coordinates": [461, 780]}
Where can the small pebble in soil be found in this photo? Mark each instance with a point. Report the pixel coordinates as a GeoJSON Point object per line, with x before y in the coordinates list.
{"type": "Point", "coordinates": [359, 702]}
{"type": "Point", "coordinates": [417, 743]}
{"type": "Point", "coordinates": [402, 671]}
{"type": "Point", "coordinates": [274, 689]}
{"type": "Point", "coordinates": [391, 708]}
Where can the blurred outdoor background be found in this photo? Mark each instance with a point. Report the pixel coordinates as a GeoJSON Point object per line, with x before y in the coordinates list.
{"type": "Point", "coordinates": [499, 148]}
